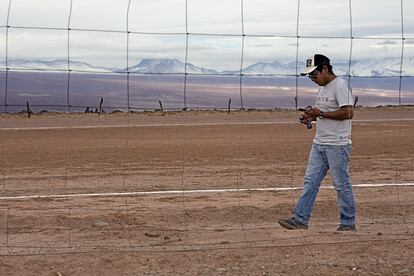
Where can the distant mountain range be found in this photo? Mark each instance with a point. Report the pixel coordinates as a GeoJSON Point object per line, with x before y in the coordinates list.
{"type": "Point", "coordinates": [58, 64]}
{"type": "Point", "coordinates": [366, 67]}
{"type": "Point", "coordinates": [173, 66]}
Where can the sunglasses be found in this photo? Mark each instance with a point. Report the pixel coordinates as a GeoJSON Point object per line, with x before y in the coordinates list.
{"type": "Point", "coordinates": [313, 74]}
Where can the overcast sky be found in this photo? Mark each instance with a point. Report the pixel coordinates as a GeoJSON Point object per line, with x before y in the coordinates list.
{"type": "Point", "coordinates": [370, 19]}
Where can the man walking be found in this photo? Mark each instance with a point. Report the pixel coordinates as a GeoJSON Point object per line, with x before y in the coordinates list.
{"type": "Point", "coordinates": [331, 145]}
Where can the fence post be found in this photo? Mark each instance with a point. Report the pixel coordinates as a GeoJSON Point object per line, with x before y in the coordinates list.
{"type": "Point", "coordinates": [100, 107]}
{"type": "Point", "coordinates": [228, 107]}
{"type": "Point", "coordinates": [28, 109]}
{"type": "Point", "coordinates": [356, 100]}
{"type": "Point", "coordinates": [162, 109]}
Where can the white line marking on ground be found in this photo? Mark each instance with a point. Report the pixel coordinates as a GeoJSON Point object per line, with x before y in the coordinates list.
{"type": "Point", "coordinates": [192, 191]}
{"type": "Point", "coordinates": [240, 122]}
{"type": "Point", "coordinates": [144, 125]}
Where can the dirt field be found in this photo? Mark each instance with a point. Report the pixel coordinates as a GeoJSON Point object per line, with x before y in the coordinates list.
{"type": "Point", "coordinates": [198, 193]}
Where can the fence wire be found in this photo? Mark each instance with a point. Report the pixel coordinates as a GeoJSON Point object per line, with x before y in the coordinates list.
{"type": "Point", "coordinates": [67, 228]}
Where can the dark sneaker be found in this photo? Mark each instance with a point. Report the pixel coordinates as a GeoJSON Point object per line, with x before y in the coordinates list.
{"type": "Point", "coordinates": [292, 224]}
{"type": "Point", "coordinates": [344, 227]}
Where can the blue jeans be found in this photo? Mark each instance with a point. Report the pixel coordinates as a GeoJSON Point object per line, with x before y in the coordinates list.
{"type": "Point", "coordinates": [335, 159]}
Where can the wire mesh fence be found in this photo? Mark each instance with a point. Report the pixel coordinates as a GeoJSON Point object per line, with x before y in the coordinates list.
{"type": "Point", "coordinates": [89, 186]}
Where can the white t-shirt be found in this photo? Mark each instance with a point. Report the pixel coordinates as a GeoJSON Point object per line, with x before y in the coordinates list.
{"type": "Point", "coordinates": [331, 97]}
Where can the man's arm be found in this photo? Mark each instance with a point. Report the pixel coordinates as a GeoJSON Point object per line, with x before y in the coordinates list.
{"type": "Point", "coordinates": [343, 113]}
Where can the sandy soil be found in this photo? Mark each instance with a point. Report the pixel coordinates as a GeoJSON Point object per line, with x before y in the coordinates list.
{"type": "Point", "coordinates": [64, 158]}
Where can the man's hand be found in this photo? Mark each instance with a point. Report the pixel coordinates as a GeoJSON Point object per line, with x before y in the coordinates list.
{"type": "Point", "coordinates": [307, 114]}
{"type": "Point", "coordinates": [313, 112]}
{"type": "Point", "coordinates": [305, 118]}
{"type": "Point", "coordinates": [306, 121]}
{"type": "Point", "coordinates": [343, 113]}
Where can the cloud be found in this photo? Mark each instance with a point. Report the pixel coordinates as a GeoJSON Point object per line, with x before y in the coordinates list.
{"type": "Point", "coordinates": [387, 42]}
{"type": "Point", "coordinates": [381, 18]}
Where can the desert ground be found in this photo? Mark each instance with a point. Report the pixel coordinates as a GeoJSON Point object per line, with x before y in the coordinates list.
{"type": "Point", "coordinates": [198, 193]}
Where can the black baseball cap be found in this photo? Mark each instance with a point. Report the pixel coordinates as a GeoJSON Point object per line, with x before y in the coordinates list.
{"type": "Point", "coordinates": [313, 62]}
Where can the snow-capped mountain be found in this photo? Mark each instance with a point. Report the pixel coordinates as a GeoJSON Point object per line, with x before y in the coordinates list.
{"type": "Point", "coordinates": [365, 67]}
{"type": "Point", "coordinates": [377, 67]}
{"type": "Point", "coordinates": [276, 66]}
{"type": "Point", "coordinates": [57, 64]}
{"type": "Point", "coordinates": [269, 68]}
{"type": "Point", "coordinates": [172, 66]}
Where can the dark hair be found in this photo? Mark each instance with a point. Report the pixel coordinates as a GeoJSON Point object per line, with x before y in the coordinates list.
{"type": "Point", "coordinates": [320, 67]}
